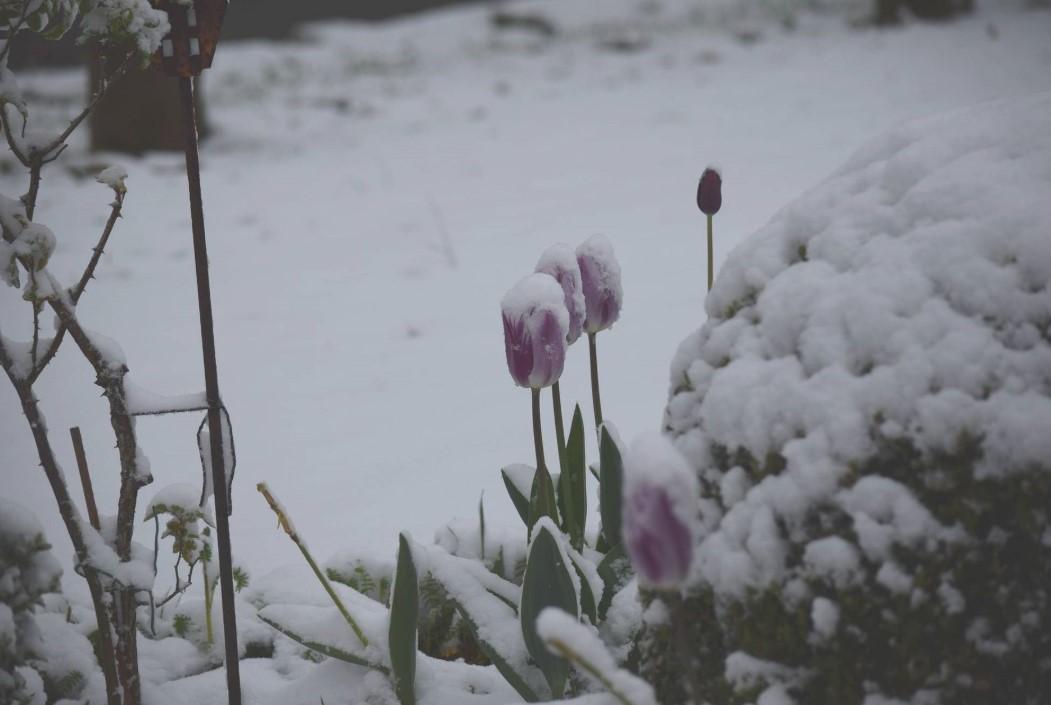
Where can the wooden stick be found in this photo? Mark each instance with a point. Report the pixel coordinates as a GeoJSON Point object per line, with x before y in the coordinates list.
{"type": "Point", "coordinates": [85, 477]}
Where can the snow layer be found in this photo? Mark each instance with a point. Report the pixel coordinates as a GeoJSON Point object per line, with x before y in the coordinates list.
{"type": "Point", "coordinates": [905, 300]}
{"type": "Point", "coordinates": [560, 630]}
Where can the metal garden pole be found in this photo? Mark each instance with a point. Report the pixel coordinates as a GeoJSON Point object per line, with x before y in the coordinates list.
{"type": "Point", "coordinates": [185, 53]}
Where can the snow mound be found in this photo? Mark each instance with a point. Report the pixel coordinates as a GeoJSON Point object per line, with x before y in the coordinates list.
{"type": "Point", "coordinates": [867, 409]}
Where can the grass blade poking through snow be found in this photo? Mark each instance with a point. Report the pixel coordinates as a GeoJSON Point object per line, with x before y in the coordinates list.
{"type": "Point", "coordinates": [404, 613]}
{"type": "Point", "coordinates": [286, 524]}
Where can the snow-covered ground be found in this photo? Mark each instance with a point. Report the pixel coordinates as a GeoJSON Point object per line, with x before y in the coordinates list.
{"type": "Point", "coordinates": [373, 192]}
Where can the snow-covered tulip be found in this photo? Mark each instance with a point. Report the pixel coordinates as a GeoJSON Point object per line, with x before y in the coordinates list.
{"type": "Point", "coordinates": [710, 192]}
{"type": "Point", "coordinates": [660, 512]}
{"type": "Point", "coordinates": [536, 323]}
{"type": "Point", "coordinates": [710, 200]}
{"type": "Point", "coordinates": [535, 326]}
{"type": "Point", "coordinates": [561, 263]}
{"type": "Point", "coordinates": [600, 280]}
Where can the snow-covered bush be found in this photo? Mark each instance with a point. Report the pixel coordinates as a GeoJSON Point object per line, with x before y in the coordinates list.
{"type": "Point", "coordinates": [867, 411]}
{"type": "Point", "coordinates": [27, 572]}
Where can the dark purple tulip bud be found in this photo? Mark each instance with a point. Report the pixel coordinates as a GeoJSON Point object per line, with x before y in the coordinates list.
{"type": "Point", "coordinates": [535, 326]}
{"type": "Point", "coordinates": [660, 512]}
{"type": "Point", "coordinates": [560, 262]}
{"type": "Point", "coordinates": [600, 279]}
{"type": "Point", "coordinates": [710, 192]}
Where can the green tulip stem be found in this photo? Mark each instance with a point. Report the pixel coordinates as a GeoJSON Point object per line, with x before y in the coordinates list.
{"type": "Point", "coordinates": [538, 438]}
{"type": "Point", "coordinates": [560, 430]}
{"type": "Point", "coordinates": [711, 255]}
{"type": "Point", "coordinates": [595, 396]}
{"type": "Point", "coordinates": [685, 645]}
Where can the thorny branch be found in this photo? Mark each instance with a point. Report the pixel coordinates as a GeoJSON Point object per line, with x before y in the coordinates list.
{"type": "Point", "coordinates": [76, 291]}
{"type": "Point", "coordinates": [115, 614]}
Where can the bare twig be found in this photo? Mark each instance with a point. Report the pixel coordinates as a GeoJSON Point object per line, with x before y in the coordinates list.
{"type": "Point", "coordinates": [12, 143]}
{"type": "Point", "coordinates": [125, 64]}
{"type": "Point", "coordinates": [36, 334]}
{"type": "Point", "coordinates": [35, 168]}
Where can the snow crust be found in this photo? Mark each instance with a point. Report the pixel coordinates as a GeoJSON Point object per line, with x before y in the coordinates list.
{"type": "Point", "coordinates": [905, 299]}
{"type": "Point", "coordinates": [556, 625]}
{"type": "Point", "coordinates": [114, 176]}
{"type": "Point", "coordinates": [183, 497]}
{"type": "Point", "coordinates": [144, 402]}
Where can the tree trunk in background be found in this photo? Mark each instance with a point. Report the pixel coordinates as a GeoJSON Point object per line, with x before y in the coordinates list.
{"type": "Point", "coordinates": [141, 113]}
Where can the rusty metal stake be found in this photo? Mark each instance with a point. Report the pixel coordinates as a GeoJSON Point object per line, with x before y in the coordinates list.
{"type": "Point", "coordinates": [211, 385]}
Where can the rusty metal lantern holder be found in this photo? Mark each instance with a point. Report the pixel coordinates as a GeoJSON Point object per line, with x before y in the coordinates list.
{"type": "Point", "coordinates": [190, 46]}
{"type": "Point", "coordinates": [185, 52]}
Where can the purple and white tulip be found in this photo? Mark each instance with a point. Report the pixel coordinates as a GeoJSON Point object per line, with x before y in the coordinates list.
{"type": "Point", "coordinates": [600, 279]}
{"type": "Point", "coordinates": [536, 323]}
{"type": "Point", "coordinates": [660, 524]}
{"type": "Point", "coordinates": [561, 262]}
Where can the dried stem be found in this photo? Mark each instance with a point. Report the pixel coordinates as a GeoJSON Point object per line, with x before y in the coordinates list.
{"type": "Point", "coordinates": [286, 525]}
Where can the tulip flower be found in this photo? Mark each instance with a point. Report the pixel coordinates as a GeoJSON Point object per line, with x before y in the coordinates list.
{"type": "Point", "coordinates": [535, 327]}
{"type": "Point", "coordinates": [536, 324]}
{"type": "Point", "coordinates": [600, 280]}
{"type": "Point", "coordinates": [561, 263]}
{"type": "Point", "coordinates": [710, 200]}
{"type": "Point", "coordinates": [660, 515]}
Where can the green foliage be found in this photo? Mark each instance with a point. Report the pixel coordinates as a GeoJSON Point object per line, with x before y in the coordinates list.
{"type": "Point", "coordinates": [50, 19]}
{"type": "Point", "coordinates": [542, 501]}
{"type": "Point", "coordinates": [404, 613]}
{"type": "Point", "coordinates": [611, 482]}
{"type": "Point", "coordinates": [970, 628]}
{"type": "Point", "coordinates": [241, 578]}
{"type": "Point", "coordinates": [547, 583]}
{"type": "Point", "coordinates": [572, 496]}
{"type": "Point", "coordinates": [359, 578]}
{"type": "Point", "coordinates": [184, 529]}
{"type": "Point", "coordinates": [518, 499]}
{"type": "Point", "coordinates": [182, 624]}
